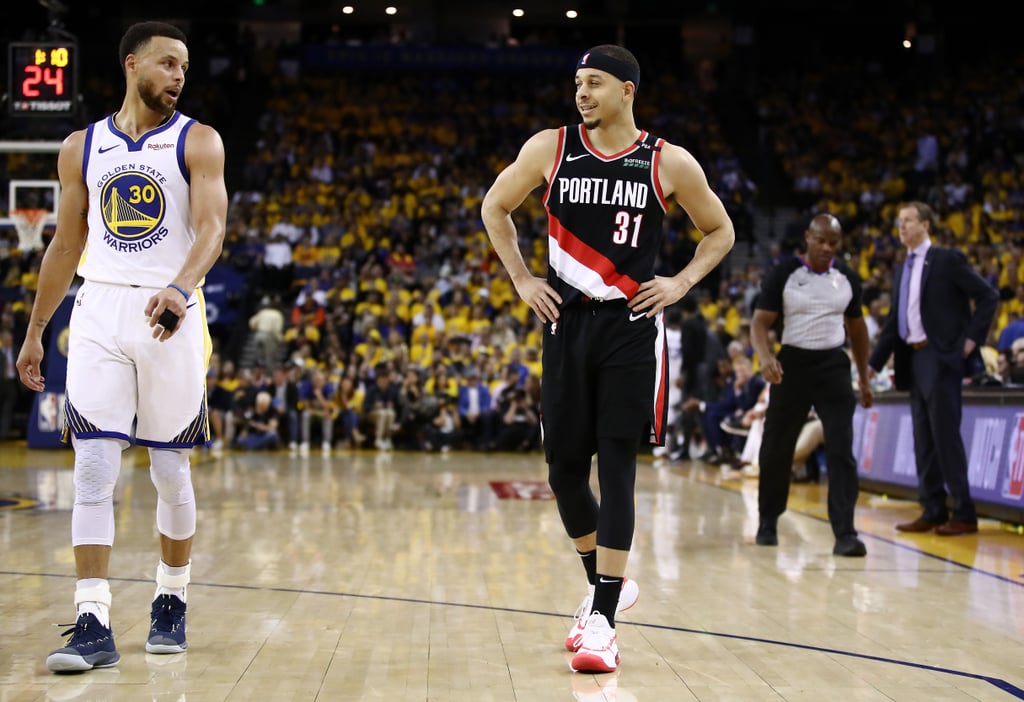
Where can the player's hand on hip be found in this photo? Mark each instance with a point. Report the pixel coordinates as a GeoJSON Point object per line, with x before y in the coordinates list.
{"type": "Point", "coordinates": [655, 295]}
{"type": "Point", "coordinates": [165, 311]}
{"type": "Point", "coordinates": [541, 297]}
{"type": "Point", "coordinates": [29, 361]}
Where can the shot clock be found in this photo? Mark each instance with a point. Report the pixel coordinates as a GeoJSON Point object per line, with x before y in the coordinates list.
{"type": "Point", "coordinates": [42, 78]}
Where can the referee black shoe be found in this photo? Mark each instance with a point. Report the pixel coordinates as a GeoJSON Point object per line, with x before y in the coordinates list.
{"type": "Point", "coordinates": [850, 546]}
{"type": "Point", "coordinates": [767, 534]}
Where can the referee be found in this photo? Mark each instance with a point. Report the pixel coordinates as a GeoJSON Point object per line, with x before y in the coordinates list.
{"type": "Point", "coordinates": [817, 300]}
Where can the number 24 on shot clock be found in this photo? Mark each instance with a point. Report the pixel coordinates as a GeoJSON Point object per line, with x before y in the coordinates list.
{"type": "Point", "coordinates": [42, 78]}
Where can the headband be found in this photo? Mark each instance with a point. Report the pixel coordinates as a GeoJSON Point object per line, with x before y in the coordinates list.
{"type": "Point", "coordinates": [609, 64]}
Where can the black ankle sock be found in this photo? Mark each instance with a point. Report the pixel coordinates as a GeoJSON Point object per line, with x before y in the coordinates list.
{"type": "Point", "coordinates": [606, 596]}
{"type": "Point", "coordinates": [589, 564]}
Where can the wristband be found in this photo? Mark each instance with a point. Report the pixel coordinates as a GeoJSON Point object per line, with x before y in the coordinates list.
{"type": "Point", "coordinates": [181, 290]}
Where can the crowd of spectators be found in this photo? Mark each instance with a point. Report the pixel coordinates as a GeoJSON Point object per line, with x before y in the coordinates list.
{"type": "Point", "coordinates": [378, 316]}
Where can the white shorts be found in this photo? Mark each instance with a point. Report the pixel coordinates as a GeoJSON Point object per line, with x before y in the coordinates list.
{"type": "Point", "coordinates": [124, 384]}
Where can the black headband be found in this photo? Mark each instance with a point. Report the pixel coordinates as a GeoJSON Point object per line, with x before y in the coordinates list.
{"type": "Point", "coordinates": [609, 64]}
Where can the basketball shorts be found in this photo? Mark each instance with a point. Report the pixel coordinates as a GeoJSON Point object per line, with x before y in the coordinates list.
{"type": "Point", "coordinates": [605, 375]}
{"type": "Point", "coordinates": [124, 384]}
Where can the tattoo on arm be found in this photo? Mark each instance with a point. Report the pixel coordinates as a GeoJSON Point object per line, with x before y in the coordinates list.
{"type": "Point", "coordinates": [85, 213]}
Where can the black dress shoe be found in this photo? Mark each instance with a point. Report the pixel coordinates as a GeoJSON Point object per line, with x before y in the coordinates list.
{"type": "Point", "coordinates": [850, 546]}
{"type": "Point", "coordinates": [918, 526]}
{"type": "Point", "coordinates": [957, 528]}
{"type": "Point", "coordinates": [767, 534]}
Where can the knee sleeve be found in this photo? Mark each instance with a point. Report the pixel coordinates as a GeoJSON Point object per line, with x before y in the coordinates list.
{"type": "Point", "coordinates": [577, 506]}
{"type": "Point", "coordinates": [176, 504]}
{"type": "Point", "coordinates": [97, 466]}
{"type": "Point", "coordinates": [616, 474]}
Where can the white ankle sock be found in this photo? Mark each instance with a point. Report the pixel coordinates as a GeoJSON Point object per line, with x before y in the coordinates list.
{"type": "Point", "coordinates": [172, 580]}
{"type": "Point", "coordinates": [92, 596]}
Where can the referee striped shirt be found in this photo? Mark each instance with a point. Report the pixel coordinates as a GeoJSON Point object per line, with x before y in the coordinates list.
{"type": "Point", "coordinates": [812, 306]}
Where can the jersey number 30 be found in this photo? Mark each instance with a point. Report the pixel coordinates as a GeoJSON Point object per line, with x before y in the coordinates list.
{"type": "Point", "coordinates": [621, 234]}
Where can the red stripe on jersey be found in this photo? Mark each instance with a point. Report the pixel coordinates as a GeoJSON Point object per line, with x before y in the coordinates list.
{"type": "Point", "coordinates": [558, 162]}
{"type": "Point", "coordinates": [656, 161]}
{"type": "Point", "coordinates": [660, 395]}
{"type": "Point", "coordinates": [629, 149]}
{"type": "Point", "coordinates": [590, 258]}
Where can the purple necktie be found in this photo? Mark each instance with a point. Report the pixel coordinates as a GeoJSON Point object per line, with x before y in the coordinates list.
{"type": "Point", "coordinates": [901, 318]}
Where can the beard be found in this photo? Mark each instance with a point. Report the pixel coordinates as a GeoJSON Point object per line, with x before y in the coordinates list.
{"type": "Point", "coordinates": [153, 99]}
{"type": "Point", "coordinates": [592, 124]}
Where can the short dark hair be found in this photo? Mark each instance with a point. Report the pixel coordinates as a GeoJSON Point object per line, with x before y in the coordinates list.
{"type": "Point", "coordinates": [140, 33]}
{"type": "Point", "coordinates": [926, 214]}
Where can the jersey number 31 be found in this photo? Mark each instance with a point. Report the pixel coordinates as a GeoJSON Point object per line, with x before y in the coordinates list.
{"type": "Point", "coordinates": [621, 234]}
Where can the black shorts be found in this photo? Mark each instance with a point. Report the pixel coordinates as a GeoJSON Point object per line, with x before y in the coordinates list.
{"type": "Point", "coordinates": [605, 375]}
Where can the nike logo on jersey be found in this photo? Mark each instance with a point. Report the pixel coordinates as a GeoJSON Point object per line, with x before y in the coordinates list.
{"type": "Point", "coordinates": [634, 317]}
{"type": "Point", "coordinates": [188, 307]}
{"type": "Point", "coordinates": [105, 149]}
{"type": "Point", "coordinates": [575, 157]}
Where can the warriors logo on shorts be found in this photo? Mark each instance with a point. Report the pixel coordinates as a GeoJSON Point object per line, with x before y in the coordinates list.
{"type": "Point", "coordinates": [133, 208]}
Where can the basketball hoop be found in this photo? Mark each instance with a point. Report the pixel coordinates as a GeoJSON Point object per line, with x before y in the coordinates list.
{"type": "Point", "coordinates": [29, 222]}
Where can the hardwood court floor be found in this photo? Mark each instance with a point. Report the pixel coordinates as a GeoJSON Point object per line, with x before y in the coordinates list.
{"type": "Point", "coordinates": [408, 577]}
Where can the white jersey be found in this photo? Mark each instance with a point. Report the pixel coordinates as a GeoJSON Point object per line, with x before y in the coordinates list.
{"type": "Point", "coordinates": [140, 218]}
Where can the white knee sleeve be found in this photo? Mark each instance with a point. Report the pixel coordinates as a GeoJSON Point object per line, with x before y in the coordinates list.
{"type": "Point", "coordinates": [176, 502]}
{"type": "Point", "coordinates": [97, 465]}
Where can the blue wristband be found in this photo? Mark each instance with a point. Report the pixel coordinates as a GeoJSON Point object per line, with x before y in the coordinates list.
{"type": "Point", "coordinates": [181, 290]}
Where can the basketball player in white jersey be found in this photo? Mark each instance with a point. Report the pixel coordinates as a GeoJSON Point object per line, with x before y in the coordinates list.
{"type": "Point", "coordinates": [141, 219]}
{"type": "Point", "coordinates": [605, 374]}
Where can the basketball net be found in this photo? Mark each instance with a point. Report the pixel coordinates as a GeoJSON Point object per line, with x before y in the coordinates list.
{"type": "Point", "coordinates": [29, 222]}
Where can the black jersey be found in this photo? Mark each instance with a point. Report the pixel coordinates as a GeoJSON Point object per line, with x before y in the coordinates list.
{"type": "Point", "coordinates": [605, 217]}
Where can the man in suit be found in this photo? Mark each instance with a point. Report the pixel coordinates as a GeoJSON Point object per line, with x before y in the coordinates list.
{"type": "Point", "coordinates": [475, 410]}
{"type": "Point", "coordinates": [935, 339]}
{"type": "Point", "coordinates": [285, 393]}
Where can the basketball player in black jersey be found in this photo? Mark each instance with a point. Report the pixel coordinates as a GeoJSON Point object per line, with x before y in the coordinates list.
{"type": "Point", "coordinates": [604, 385]}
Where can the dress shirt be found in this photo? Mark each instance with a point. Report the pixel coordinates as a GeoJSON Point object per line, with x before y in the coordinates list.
{"type": "Point", "coordinates": [915, 327]}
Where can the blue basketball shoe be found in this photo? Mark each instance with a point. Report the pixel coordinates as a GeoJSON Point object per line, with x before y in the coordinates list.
{"type": "Point", "coordinates": [89, 645]}
{"type": "Point", "coordinates": [167, 626]}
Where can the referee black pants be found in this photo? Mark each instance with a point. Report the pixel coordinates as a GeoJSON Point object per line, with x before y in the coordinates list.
{"type": "Point", "coordinates": [819, 379]}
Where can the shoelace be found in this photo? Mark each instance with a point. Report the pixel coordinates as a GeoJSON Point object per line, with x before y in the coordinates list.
{"type": "Point", "coordinates": [78, 630]}
{"type": "Point", "coordinates": [597, 634]}
{"type": "Point", "coordinates": [164, 615]}
{"type": "Point", "coordinates": [584, 608]}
